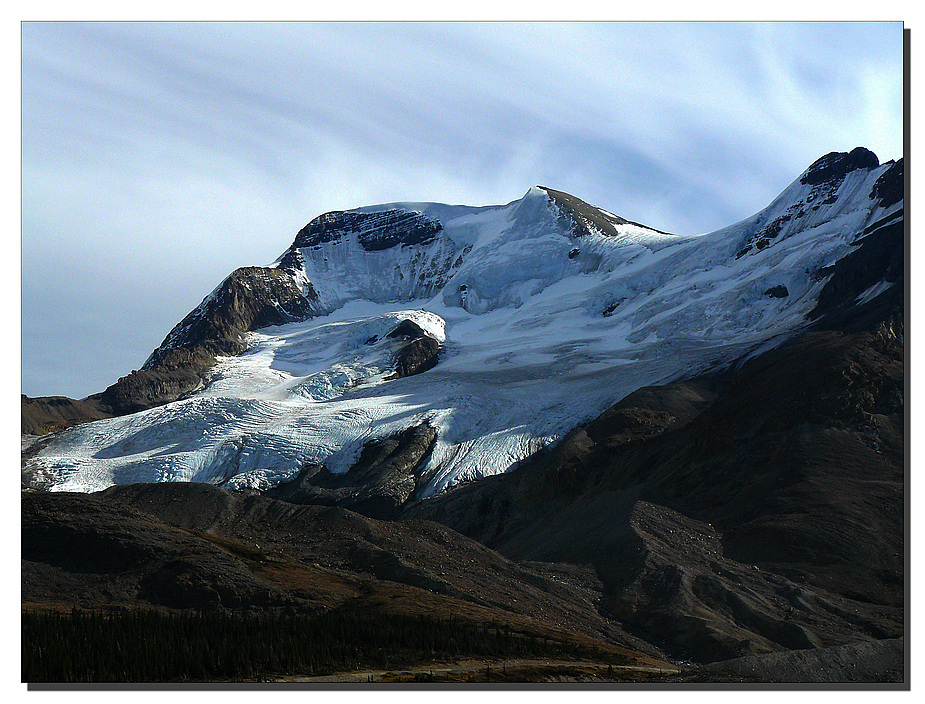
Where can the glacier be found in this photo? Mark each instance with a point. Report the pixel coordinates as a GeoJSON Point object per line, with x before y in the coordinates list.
{"type": "Point", "coordinates": [548, 310]}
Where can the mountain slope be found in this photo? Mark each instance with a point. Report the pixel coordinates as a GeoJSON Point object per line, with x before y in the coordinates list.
{"type": "Point", "coordinates": [197, 547]}
{"type": "Point", "coordinates": [534, 317]}
{"type": "Point", "coordinates": [742, 513]}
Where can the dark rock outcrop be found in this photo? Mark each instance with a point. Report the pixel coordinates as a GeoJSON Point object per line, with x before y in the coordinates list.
{"type": "Point", "coordinates": [890, 187]}
{"type": "Point", "coordinates": [178, 373]}
{"type": "Point", "coordinates": [420, 352]}
{"type": "Point", "coordinates": [585, 217]}
{"type": "Point", "coordinates": [825, 177]}
{"type": "Point", "coordinates": [777, 292]}
{"type": "Point", "coordinates": [383, 479]}
{"type": "Point", "coordinates": [249, 299]}
{"type": "Point", "coordinates": [879, 259]}
{"type": "Point", "coordinates": [378, 230]}
{"type": "Point", "coordinates": [834, 166]}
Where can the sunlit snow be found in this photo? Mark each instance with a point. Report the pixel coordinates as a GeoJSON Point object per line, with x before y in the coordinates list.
{"type": "Point", "coordinates": [538, 338]}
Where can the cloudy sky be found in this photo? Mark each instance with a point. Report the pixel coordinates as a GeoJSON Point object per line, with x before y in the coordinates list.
{"type": "Point", "coordinates": [157, 158]}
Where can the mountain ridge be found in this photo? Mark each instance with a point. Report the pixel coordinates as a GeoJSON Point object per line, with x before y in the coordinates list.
{"type": "Point", "coordinates": [624, 297]}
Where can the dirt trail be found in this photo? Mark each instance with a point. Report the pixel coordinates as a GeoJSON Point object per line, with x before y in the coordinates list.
{"type": "Point", "coordinates": [505, 670]}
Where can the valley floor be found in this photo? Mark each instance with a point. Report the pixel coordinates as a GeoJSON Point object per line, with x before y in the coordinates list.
{"type": "Point", "coordinates": [502, 671]}
{"type": "Point", "coordinates": [865, 662]}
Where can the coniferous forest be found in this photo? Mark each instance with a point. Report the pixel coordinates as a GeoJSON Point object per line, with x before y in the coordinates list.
{"type": "Point", "coordinates": [150, 646]}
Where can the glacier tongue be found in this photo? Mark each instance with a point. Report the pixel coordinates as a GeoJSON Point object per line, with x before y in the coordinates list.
{"type": "Point", "coordinates": [547, 317]}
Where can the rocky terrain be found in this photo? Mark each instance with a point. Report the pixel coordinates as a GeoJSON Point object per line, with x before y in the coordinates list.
{"type": "Point", "coordinates": [755, 509]}
{"type": "Point", "coordinates": [864, 662]}
{"type": "Point", "coordinates": [48, 414]}
{"type": "Point", "coordinates": [250, 298]}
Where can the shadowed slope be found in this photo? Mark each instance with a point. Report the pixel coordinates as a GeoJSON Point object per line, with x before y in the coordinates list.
{"type": "Point", "coordinates": [772, 518]}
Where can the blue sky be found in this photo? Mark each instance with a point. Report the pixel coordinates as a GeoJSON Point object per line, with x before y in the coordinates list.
{"type": "Point", "coordinates": [157, 158]}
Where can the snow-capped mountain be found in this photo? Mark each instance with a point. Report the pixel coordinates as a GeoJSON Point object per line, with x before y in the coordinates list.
{"type": "Point", "coordinates": [501, 327]}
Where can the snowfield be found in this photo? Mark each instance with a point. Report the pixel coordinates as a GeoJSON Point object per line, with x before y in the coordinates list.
{"type": "Point", "coordinates": [542, 330]}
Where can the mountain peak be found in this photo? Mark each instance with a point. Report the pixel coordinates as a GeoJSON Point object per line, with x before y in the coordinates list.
{"type": "Point", "coordinates": [836, 165]}
{"type": "Point", "coordinates": [587, 217]}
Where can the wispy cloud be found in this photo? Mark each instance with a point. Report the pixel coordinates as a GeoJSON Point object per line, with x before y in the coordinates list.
{"type": "Point", "coordinates": [159, 157]}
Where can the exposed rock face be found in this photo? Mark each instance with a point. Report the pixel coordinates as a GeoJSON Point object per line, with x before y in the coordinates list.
{"type": "Point", "coordinates": [378, 230]}
{"type": "Point", "coordinates": [585, 217]}
{"type": "Point", "coordinates": [250, 298]}
{"type": "Point", "coordinates": [834, 166]}
{"type": "Point", "coordinates": [179, 373]}
{"type": "Point", "coordinates": [825, 176]}
{"type": "Point", "coordinates": [777, 292]}
{"type": "Point", "coordinates": [874, 269]}
{"type": "Point", "coordinates": [418, 355]}
{"type": "Point", "coordinates": [381, 255]}
{"type": "Point", "coordinates": [383, 479]}
{"type": "Point", "coordinates": [48, 414]}
{"type": "Point", "coordinates": [889, 188]}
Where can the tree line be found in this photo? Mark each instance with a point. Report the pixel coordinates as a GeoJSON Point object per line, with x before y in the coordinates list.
{"type": "Point", "coordinates": [150, 646]}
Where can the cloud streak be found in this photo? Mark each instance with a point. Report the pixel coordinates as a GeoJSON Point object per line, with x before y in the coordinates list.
{"type": "Point", "coordinates": [159, 157]}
